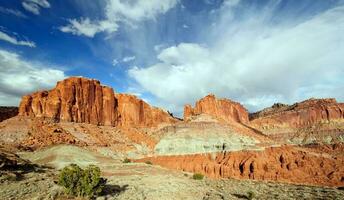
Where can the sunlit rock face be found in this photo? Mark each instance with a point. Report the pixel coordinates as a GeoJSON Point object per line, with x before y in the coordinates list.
{"type": "Point", "coordinates": [283, 164]}
{"type": "Point", "coordinates": [84, 100]}
{"type": "Point", "coordinates": [313, 120]}
{"type": "Point", "coordinates": [222, 109]}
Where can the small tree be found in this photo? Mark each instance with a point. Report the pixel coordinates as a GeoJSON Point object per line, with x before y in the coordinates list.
{"type": "Point", "coordinates": [198, 176]}
{"type": "Point", "coordinates": [79, 182]}
{"type": "Point", "coordinates": [148, 162]}
{"type": "Point", "coordinates": [251, 195]}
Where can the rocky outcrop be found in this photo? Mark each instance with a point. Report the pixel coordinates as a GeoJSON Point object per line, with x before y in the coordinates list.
{"type": "Point", "coordinates": [277, 107]}
{"type": "Point", "coordinates": [310, 121]}
{"type": "Point", "coordinates": [7, 112]}
{"type": "Point", "coordinates": [222, 109]}
{"type": "Point", "coordinates": [282, 164]}
{"type": "Point", "coordinates": [84, 100]}
{"type": "Point", "coordinates": [133, 111]}
{"type": "Point", "coordinates": [301, 114]}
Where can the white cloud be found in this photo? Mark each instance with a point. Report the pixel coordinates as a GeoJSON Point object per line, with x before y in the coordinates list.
{"type": "Point", "coordinates": [119, 11]}
{"type": "Point", "coordinates": [34, 6]}
{"type": "Point", "coordinates": [128, 58]}
{"type": "Point", "coordinates": [114, 62]}
{"type": "Point", "coordinates": [13, 40]}
{"type": "Point", "coordinates": [253, 61]}
{"type": "Point", "coordinates": [19, 77]}
{"type": "Point", "coordinates": [88, 28]}
{"type": "Point", "coordinates": [159, 47]}
{"type": "Point", "coordinates": [12, 12]}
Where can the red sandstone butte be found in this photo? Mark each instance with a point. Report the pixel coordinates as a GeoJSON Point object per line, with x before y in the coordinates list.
{"type": "Point", "coordinates": [222, 109]}
{"type": "Point", "coordinates": [84, 100]}
{"type": "Point", "coordinates": [300, 114]}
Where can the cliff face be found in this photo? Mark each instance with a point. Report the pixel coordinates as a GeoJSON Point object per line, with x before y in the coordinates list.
{"type": "Point", "coordinates": [223, 109]}
{"type": "Point", "coordinates": [282, 164]}
{"type": "Point", "coordinates": [313, 120]}
{"type": "Point", "coordinates": [133, 111]}
{"type": "Point", "coordinates": [83, 100]}
{"type": "Point", "coordinates": [300, 114]}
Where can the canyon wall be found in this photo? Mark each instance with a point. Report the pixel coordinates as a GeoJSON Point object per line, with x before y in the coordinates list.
{"type": "Point", "coordinates": [84, 100]}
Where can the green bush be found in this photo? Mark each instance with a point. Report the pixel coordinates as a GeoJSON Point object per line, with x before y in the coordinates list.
{"type": "Point", "coordinates": [149, 162]}
{"type": "Point", "coordinates": [81, 182]}
{"type": "Point", "coordinates": [198, 176]}
{"type": "Point", "coordinates": [250, 195]}
{"type": "Point", "coordinates": [126, 160]}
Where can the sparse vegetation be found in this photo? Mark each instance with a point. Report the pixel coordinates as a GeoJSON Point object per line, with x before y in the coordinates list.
{"type": "Point", "coordinates": [81, 182]}
{"type": "Point", "coordinates": [198, 176]}
{"type": "Point", "coordinates": [126, 160]}
{"type": "Point", "coordinates": [149, 162]}
{"type": "Point", "coordinates": [250, 195]}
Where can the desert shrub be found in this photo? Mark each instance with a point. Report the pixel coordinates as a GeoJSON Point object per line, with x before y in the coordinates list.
{"type": "Point", "coordinates": [81, 182]}
{"type": "Point", "coordinates": [250, 195]}
{"type": "Point", "coordinates": [198, 176]}
{"type": "Point", "coordinates": [149, 162]}
{"type": "Point", "coordinates": [126, 160]}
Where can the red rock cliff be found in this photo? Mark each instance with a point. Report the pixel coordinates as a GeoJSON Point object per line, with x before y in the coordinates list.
{"type": "Point", "coordinates": [78, 99]}
{"type": "Point", "coordinates": [223, 109]}
{"type": "Point", "coordinates": [282, 164]}
{"type": "Point", "coordinates": [301, 114]}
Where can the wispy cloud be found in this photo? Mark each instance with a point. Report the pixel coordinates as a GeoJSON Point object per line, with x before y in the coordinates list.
{"type": "Point", "coordinates": [128, 58]}
{"type": "Point", "coordinates": [11, 39]}
{"type": "Point", "coordinates": [253, 60]}
{"type": "Point", "coordinates": [117, 11]}
{"type": "Point", "coordinates": [34, 6]}
{"type": "Point", "coordinates": [9, 11]}
{"type": "Point", "coordinates": [114, 62]}
{"type": "Point", "coordinates": [87, 27]}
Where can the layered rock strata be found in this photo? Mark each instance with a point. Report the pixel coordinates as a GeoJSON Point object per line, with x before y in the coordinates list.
{"type": "Point", "coordinates": [301, 114]}
{"type": "Point", "coordinates": [283, 164]}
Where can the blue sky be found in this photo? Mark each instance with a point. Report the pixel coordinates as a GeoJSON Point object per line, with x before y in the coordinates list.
{"type": "Point", "coordinates": [173, 52]}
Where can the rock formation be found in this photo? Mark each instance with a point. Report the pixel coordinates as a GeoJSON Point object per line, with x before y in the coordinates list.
{"type": "Point", "coordinates": [222, 109]}
{"type": "Point", "coordinates": [300, 114]}
{"type": "Point", "coordinates": [313, 120]}
{"type": "Point", "coordinates": [7, 112]}
{"type": "Point", "coordinates": [282, 164]}
{"type": "Point", "coordinates": [79, 99]}
{"type": "Point", "coordinates": [133, 111]}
